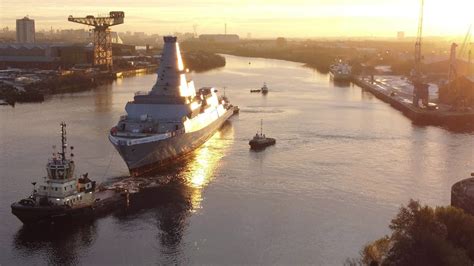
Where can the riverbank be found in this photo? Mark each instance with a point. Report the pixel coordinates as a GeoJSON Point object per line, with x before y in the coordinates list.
{"type": "Point", "coordinates": [57, 83]}
{"type": "Point", "coordinates": [34, 85]}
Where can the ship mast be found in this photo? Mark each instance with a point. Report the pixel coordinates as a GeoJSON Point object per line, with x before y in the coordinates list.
{"type": "Point", "coordinates": [261, 126]}
{"type": "Point", "coordinates": [63, 141]}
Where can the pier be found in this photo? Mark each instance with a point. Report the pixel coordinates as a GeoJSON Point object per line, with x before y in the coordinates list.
{"type": "Point", "coordinates": [442, 116]}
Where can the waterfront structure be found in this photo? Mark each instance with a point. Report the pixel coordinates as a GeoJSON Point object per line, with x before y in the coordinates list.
{"type": "Point", "coordinates": [458, 93]}
{"type": "Point", "coordinates": [169, 121]}
{"type": "Point", "coordinates": [462, 195]}
{"type": "Point", "coordinates": [444, 115]}
{"type": "Point", "coordinates": [25, 30]}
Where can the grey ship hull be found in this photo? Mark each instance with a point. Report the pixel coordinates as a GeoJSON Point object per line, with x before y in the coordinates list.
{"type": "Point", "coordinates": [142, 158]}
{"type": "Point", "coordinates": [340, 76]}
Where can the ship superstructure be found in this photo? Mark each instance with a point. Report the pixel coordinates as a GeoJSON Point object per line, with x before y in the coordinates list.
{"type": "Point", "coordinates": [340, 71]}
{"type": "Point", "coordinates": [171, 119]}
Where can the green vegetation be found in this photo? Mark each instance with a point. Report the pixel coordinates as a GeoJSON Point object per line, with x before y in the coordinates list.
{"type": "Point", "coordinates": [320, 58]}
{"type": "Point", "coordinates": [321, 54]}
{"type": "Point", "coordinates": [422, 235]}
{"type": "Point", "coordinates": [201, 61]}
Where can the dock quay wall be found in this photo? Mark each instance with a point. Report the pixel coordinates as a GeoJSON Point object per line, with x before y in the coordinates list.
{"type": "Point", "coordinates": [421, 116]}
{"type": "Point", "coordinates": [137, 71]}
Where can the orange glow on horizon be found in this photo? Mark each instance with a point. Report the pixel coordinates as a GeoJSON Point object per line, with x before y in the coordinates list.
{"type": "Point", "coordinates": [263, 18]}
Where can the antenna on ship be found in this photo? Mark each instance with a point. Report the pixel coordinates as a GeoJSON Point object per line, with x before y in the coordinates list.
{"type": "Point", "coordinates": [261, 126]}
{"type": "Point", "coordinates": [63, 141]}
{"type": "Point", "coordinates": [54, 152]}
{"type": "Point", "coordinates": [34, 187]}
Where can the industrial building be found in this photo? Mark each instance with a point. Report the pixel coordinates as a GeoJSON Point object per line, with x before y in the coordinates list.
{"type": "Point", "coordinates": [219, 37]}
{"type": "Point", "coordinates": [25, 30]}
{"type": "Point", "coordinates": [44, 56]}
{"type": "Point", "coordinates": [28, 55]}
{"type": "Point", "coordinates": [52, 56]}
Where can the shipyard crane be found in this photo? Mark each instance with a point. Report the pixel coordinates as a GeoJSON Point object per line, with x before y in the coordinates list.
{"type": "Point", "coordinates": [453, 86]}
{"type": "Point", "coordinates": [102, 38]}
{"type": "Point", "coordinates": [465, 47]}
{"type": "Point", "coordinates": [420, 89]}
{"type": "Point", "coordinates": [453, 73]}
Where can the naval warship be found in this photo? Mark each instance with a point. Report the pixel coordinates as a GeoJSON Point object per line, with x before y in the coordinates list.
{"type": "Point", "coordinates": [170, 120]}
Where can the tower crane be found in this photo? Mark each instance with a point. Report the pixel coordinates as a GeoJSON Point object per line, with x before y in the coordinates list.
{"type": "Point", "coordinates": [102, 38]}
{"type": "Point", "coordinates": [420, 90]}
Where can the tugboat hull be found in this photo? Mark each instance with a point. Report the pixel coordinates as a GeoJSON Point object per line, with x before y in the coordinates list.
{"type": "Point", "coordinates": [262, 143]}
{"type": "Point", "coordinates": [30, 215]}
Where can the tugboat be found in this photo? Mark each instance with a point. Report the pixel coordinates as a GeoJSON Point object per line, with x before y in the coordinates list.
{"type": "Point", "coordinates": [264, 88]}
{"type": "Point", "coordinates": [62, 195]}
{"type": "Point", "coordinates": [260, 141]}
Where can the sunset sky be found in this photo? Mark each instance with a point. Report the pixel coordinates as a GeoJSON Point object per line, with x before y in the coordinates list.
{"type": "Point", "coordinates": [261, 18]}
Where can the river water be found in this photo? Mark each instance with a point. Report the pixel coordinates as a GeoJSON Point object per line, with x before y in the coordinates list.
{"type": "Point", "coordinates": [343, 164]}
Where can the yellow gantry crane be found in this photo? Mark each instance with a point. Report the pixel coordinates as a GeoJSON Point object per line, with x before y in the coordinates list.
{"type": "Point", "coordinates": [102, 38]}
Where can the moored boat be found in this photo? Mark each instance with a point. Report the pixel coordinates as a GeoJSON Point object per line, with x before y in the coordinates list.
{"type": "Point", "coordinates": [340, 71]}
